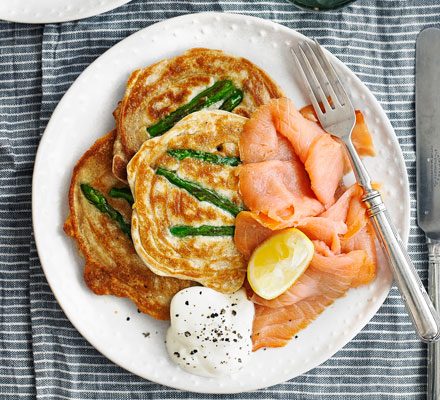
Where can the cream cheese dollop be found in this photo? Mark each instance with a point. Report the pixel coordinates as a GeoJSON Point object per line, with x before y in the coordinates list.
{"type": "Point", "coordinates": [210, 332]}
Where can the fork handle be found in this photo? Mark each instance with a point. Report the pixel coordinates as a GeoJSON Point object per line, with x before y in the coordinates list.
{"type": "Point", "coordinates": [418, 304]}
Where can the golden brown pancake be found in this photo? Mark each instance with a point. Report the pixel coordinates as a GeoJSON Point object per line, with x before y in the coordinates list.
{"type": "Point", "coordinates": [112, 265]}
{"type": "Point", "coordinates": [160, 204]}
{"type": "Point", "coordinates": [155, 91]}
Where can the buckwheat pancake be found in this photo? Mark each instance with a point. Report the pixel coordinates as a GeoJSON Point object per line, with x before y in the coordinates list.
{"type": "Point", "coordinates": [156, 91]}
{"type": "Point", "coordinates": [111, 263]}
{"type": "Point", "coordinates": [185, 207]}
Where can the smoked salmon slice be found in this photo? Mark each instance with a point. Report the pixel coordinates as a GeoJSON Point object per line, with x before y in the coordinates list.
{"type": "Point", "coordinates": [361, 136]}
{"type": "Point", "coordinates": [292, 176]}
{"type": "Point", "coordinates": [325, 165]}
{"type": "Point", "coordinates": [278, 189]}
{"type": "Point", "coordinates": [339, 210]}
{"type": "Point", "coordinates": [318, 277]}
{"type": "Point", "coordinates": [249, 233]}
{"type": "Point", "coordinates": [327, 278]}
{"type": "Point", "coordinates": [260, 141]}
{"type": "Point", "coordinates": [350, 209]}
{"type": "Point", "coordinates": [364, 239]}
{"type": "Point", "coordinates": [324, 229]}
{"type": "Point", "coordinates": [331, 278]}
{"type": "Point", "coordinates": [356, 216]}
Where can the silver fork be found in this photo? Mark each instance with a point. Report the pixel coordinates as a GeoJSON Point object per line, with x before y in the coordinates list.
{"type": "Point", "coordinates": [337, 116]}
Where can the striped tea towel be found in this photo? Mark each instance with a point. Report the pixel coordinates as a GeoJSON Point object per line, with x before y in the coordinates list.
{"type": "Point", "coordinates": [41, 355]}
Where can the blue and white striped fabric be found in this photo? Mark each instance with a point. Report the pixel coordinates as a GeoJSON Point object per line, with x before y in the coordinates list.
{"type": "Point", "coordinates": [41, 355]}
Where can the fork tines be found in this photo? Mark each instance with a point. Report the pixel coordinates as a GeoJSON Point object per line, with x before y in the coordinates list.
{"type": "Point", "coordinates": [323, 85]}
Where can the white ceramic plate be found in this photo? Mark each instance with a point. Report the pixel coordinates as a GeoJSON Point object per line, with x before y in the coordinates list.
{"type": "Point", "coordinates": [51, 11]}
{"type": "Point", "coordinates": [85, 113]}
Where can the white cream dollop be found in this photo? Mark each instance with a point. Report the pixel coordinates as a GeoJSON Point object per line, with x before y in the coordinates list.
{"type": "Point", "coordinates": [210, 332]}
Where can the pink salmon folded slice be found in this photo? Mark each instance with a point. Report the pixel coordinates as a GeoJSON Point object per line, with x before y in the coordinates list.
{"type": "Point", "coordinates": [314, 147]}
{"type": "Point", "coordinates": [360, 136]}
{"type": "Point", "coordinates": [324, 229]}
{"type": "Point", "coordinates": [327, 278]}
{"type": "Point", "coordinates": [314, 281]}
{"type": "Point", "coordinates": [249, 233]}
{"type": "Point", "coordinates": [363, 240]}
{"type": "Point", "coordinates": [278, 189]}
{"type": "Point", "coordinates": [292, 176]}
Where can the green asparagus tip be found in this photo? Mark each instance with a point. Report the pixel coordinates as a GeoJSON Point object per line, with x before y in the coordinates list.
{"type": "Point", "coordinates": [222, 91]}
{"type": "Point", "coordinates": [96, 198]}
{"type": "Point", "coordinates": [199, 192]}
{"type": "Point", "coordinates": [203, 230]}
{"type": "Point", "coordinates": [122, 193]}
{"type": "Point", "coordinates": [212, 158]}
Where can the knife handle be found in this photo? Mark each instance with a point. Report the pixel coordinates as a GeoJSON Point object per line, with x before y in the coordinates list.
{"type": "Point", "coordinates": [434, 292]}
{"type": "Point", "coordinates": [418, 303]}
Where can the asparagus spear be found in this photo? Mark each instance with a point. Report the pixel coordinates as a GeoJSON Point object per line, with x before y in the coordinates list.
{"type": "Point", "coordinates": [122, 193]}
{"type": "Point", "coordinates": [203, 230]}
{"type": "Point", "coordinates": [212, 158]}
{"type": "Point", "coordinates": [96, 198]}
{"type": "Point", "coordinates": [232, 101]}
{"type": "Point", "coordinates": [199, 192]}
{"type": "Point", "coordinates": [220, 91]}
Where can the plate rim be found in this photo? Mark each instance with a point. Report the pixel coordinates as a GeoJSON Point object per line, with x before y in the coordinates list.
{"type": "Point", "coordinates": [30, 18]}
{"type": "Point", "coordinates": [270, 24]}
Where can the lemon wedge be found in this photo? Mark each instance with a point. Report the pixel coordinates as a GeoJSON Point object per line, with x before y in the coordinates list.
{"type": "Point", "coordinates": [278, 262]}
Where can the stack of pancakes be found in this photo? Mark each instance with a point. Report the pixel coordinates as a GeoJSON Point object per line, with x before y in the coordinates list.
{"type": "Point", "coordinates": [152, 264]}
